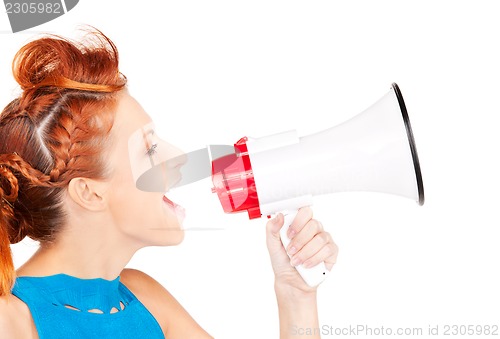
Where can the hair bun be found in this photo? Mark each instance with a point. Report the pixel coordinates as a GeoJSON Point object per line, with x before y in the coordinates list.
{"type": "Point", "coordinates": [38, 61]}
{"type": "Point", "coordinates": [60, 62]}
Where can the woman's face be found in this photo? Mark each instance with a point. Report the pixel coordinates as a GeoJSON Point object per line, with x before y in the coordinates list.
{"type": "Point", "coordinates": [148, 217]}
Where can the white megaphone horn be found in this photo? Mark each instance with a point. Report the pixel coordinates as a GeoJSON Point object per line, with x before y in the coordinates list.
{"type": "Point", "coordinates": [374, 151]}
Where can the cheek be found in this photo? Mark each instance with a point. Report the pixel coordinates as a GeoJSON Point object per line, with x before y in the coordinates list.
{"type": "Point", "coordinates": [137, 216]}
{"type": "Point", "coordinates": [127, 203]}
{"type": "Point", "coordinates": [136, 211]}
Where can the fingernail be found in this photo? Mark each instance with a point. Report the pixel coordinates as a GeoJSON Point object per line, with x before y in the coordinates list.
{"type": "Point", "coordinates": [291, 233]}
{"type": "Point", "coordinates": [292, 250]}
{"type": "Point", "coordinates": [295, 262]}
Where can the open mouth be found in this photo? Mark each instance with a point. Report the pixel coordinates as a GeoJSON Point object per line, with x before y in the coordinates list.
{"type": "Point", "coordinates": [178, 209]}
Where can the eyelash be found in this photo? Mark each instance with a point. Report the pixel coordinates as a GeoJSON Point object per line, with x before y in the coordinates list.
{"type": "Point", "coordinates": [152, 149]}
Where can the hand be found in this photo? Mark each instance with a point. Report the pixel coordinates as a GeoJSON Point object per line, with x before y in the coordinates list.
{"type": "Point", "coordinates": [309, 246]}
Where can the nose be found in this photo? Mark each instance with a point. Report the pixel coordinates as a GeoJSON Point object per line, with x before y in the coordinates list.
{"type": "Point", "coordinates": [176, 157]}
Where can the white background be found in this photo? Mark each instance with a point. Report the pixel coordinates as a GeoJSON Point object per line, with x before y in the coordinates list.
{"type": "Point", "coordinates": [214, 71]}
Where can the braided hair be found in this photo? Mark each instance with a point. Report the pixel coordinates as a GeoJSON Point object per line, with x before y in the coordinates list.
{"type": "Point", "coordinates": [56, 130]}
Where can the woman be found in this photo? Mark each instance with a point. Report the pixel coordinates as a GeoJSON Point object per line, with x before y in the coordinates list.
{"type": "Point", "coordinates": [66, 181]}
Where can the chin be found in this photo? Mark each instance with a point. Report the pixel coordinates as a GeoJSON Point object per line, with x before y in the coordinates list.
{"type": "Point", "coordinates": [169, 237]}
{"type": "Point", "coordinates": [177, 238]}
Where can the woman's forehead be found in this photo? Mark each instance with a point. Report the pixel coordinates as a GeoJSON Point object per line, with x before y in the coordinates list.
{"type": "Point", "coordinates": [130, 116]}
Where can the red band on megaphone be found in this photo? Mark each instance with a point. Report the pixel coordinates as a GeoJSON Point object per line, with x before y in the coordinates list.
{"type": "Point", "coordinates": [234, 182]}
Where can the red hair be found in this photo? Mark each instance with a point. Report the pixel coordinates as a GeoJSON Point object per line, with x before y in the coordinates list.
{"type": "Point", "coordinates": [54, 131]}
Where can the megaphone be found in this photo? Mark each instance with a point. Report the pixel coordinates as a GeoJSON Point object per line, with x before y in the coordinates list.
{"type": "Point", "coordinates": [374, 151]}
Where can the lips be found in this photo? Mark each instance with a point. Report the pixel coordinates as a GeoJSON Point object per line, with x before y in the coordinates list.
{"type": "Point", "coordinates": [179, 210]}
{"type": "Point", "coordinates": [170, 202]}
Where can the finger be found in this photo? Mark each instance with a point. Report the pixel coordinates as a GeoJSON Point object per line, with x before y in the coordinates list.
{"type": "Point", "coordinates": [328, 254]}
{"type": "Point", "coordinates": [303, 216]}
{"type": "Point", "coordinates": [306, 234]}
{"type": "Point", "coordinates": [274, 225]}
{"type": "Point", "coordinates": [310, 249]}
{"type": "Point", "coordinates": [273, 238]}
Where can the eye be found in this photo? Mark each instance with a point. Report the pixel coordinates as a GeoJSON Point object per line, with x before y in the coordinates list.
{"type": "Point", "coordinates": [152, 149]}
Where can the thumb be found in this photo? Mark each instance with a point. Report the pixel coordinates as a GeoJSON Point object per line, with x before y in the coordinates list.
{"type": "Point", "coordinates": [279, 259]}
{"type": "Point", "coordinates": [273, 228]}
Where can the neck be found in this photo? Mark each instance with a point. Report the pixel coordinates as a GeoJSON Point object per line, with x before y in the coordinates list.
{"type": "Point", "coordinates": [84, 250]}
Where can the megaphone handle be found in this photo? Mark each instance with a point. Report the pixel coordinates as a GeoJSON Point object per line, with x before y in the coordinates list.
{"type": "Point", "coordinates": [312, 276]}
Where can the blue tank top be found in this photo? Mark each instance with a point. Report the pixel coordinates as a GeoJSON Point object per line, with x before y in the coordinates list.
{"type": "Point", "coordinates": [60, 305]}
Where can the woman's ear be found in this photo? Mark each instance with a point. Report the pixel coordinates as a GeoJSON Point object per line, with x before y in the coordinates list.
{"type": "Point", "coordinates": [88, 193]}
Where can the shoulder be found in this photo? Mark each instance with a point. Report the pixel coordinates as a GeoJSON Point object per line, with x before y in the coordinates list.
{"type": "Point", "coordinates": [15, 318]}
{"type": "Point", "coordinates": [172, 317]}
{"type": "Point", "coordinates": [135, 279]}
{"type": "Point", "coordinates": [149, 291]}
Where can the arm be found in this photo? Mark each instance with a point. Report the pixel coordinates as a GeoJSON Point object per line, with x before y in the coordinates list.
{"type": "Point", "coordinates": [15, 319]}
{"type": "Point", "coordinates": [174, 320]}
{"type": "Point", "coordinates": [298, 313]}
{"type": "Point", "coordinates": [309, 245]}
{"type": "Point", "coordinates": [7, 328]}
